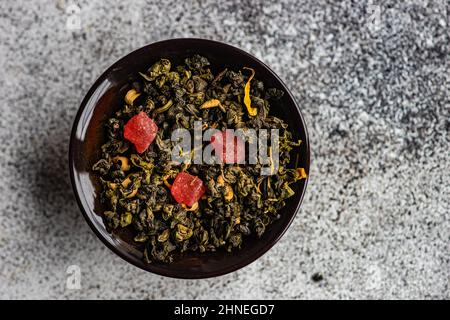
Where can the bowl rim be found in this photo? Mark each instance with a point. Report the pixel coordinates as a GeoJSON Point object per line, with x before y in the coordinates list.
{"type": "Point", "coordinates": [265, 248]}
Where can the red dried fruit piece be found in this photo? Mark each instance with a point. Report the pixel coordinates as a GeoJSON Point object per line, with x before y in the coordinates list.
{"type": "Point", "coordinates": [187, 189]}
{"type": "Point", "coordinates": [228, 148]}
{"type": "Point", "coordinates": [141, 131]}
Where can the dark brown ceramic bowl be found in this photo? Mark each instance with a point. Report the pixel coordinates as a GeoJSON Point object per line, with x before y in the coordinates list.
{"type": "Point", "coordinates": [88, 135]}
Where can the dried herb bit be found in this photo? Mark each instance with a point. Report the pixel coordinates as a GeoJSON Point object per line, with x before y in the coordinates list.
{"type": "Point", "coordinates": [211, 104]}
{"type": "Point", "coordinates": [162, 67]}
{"type": "Point", "coordinates": [192, 207]}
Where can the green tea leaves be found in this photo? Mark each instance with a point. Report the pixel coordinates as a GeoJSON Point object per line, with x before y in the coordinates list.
{"type": "Point", "coordinates": [172, 207]}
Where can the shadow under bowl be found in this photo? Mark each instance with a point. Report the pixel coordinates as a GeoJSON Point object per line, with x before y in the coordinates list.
{"type": "Point", "coordinates": [88, 134]}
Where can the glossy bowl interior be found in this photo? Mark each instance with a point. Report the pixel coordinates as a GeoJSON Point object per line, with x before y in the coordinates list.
{"type": "Point", "coordinates": [88, 135]}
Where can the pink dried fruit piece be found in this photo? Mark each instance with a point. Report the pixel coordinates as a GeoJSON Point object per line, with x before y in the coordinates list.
{"type": "Point", "coordinates": [141, 131]}
{"type": "Point", "coordinates": [187, 189]}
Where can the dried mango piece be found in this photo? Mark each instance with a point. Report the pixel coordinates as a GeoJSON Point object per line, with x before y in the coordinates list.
{"type": "Point", "coordinates": [251, 111]}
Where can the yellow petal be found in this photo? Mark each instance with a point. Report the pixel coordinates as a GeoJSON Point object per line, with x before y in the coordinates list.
{"type": "Point", "coordinates": [228, 192]}
{"type": "Point", "coordinates": [251, 111]}
{"type": "Point", "coordinates": [302, 173]}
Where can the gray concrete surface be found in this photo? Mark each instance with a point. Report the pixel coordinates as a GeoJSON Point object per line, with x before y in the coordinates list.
{"type": "Point", "coordinates": [373, 82]}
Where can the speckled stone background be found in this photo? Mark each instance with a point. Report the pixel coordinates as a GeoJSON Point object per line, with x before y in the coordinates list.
{"type": "Point", "coordinates": [373, 81]}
